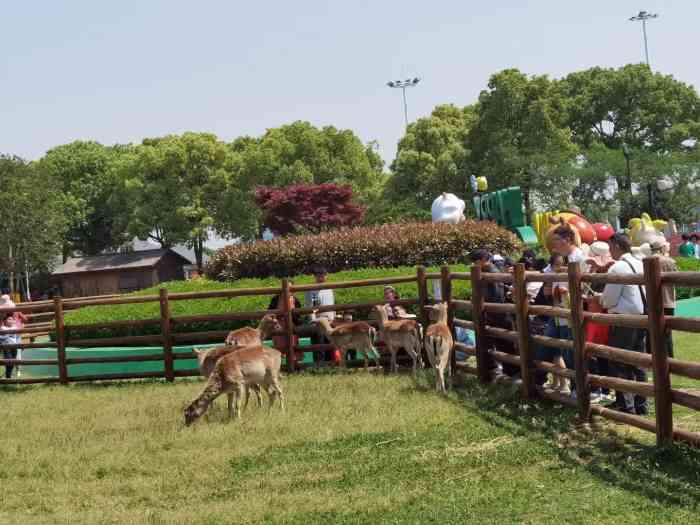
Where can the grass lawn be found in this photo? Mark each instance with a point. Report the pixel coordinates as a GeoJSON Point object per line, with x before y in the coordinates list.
{"type": "Point", "coordinates": [352, 448]}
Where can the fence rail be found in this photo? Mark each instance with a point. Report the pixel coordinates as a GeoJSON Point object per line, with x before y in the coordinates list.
{"type": "Point", "coordinates": [520, 310]}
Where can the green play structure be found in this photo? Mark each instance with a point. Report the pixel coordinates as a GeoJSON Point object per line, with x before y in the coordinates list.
{"type": "Point", "coordinates": [505, 207]}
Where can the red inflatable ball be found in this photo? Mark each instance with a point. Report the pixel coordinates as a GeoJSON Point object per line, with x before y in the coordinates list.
{"type": "Point", "coordinates": [585, 229]}
{"type": "Point", "coordinates": [603, 231]}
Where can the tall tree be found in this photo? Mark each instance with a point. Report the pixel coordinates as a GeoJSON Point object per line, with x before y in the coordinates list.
{"type": "Point", "coordinates": [33, 222]}
{"type": "Point", "coordinates": [169, 182]}
{"type": "Point", "coordinates": [83, 171]}
{"type": "Point", "coordinates": [520, 137]}
{"type": "Point", "coordinates": [432, 158]}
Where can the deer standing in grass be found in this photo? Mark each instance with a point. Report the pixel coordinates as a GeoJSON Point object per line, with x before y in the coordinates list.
{"type": "Point", "coordinates": [439, 345]}
{"type": "Point", "coordinates": [236, 340]}
{"type": "Point", "coordinates": [400, 333]}
{"type": "Point", "coordinates": [233, 374]}
{"type": "Point", "coordinates": [357, 335]}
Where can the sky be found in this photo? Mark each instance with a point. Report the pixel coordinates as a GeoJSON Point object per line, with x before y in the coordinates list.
{"type": "Point", "coordinates": [118, 72]}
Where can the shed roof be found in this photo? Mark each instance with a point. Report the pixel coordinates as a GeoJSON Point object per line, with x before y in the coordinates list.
{"type": "Point", "coordinates": [116, 261]}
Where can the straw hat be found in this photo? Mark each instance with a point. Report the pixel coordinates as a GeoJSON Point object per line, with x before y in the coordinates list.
{"type": "Point", "coordinates": [599, 252]}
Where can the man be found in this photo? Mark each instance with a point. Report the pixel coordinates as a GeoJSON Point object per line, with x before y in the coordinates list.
{"type": "Point", "coordinates": [696, 242]}
{"type": "Point", "coordinates": [316, 298]}
{"type": "Point", "coordinates": [687, 248]}
{"type": "Point", "coordinates": [659, 248]}
{"type": "Point", "coordinates": [626, 299]}
{"type": "Point", "coordinates": [495, 293]}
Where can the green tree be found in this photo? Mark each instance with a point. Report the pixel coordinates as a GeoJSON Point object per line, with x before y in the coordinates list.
{"type": "Point", "coordinates": [173, 184]}
{"type": "Point", "coordinates": [521, 137]}
{"type": "Point", "coordinates": [83, 172]}
{"type": "Point", "coordinates": [432, 158]}
{"type": "Point", "coordinates": [33, 223]}
{"type": "Point", "coordinates": [297, 153]}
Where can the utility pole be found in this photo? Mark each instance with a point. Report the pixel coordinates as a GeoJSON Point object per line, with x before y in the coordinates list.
{"type": "Point", "coordinates": [402, 85]}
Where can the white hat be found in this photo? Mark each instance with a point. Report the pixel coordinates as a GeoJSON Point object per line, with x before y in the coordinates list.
{"type": "Point", "coordinates": [600, 253]}
{"type": "Point", "coordinates": [6, 302]}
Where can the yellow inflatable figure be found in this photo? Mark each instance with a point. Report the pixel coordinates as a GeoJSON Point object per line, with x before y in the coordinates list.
{"type": "Point", "coordinates": [481, 184]}
{"type": "Point", "coordinates": [644, 230]}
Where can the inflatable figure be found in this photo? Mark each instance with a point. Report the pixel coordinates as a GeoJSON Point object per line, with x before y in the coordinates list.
{"type": "Point", "coordinates": [448, 208]}
{"type": "Point", "coordinates": [482, 184]}
{"type": "Point", "coordinates": [603, 231]}
{"type": "Point", "coordinates": [645, 230]}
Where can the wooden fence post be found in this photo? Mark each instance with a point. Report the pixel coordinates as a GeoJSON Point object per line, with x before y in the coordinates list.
{"type": "Point", "coordinates": [289, 325]}
{"type": "Point", "coordinates": [659, 357]}
{"type": "Point", "coordinates": [482, 351]}
{"type": "Point", "coordinates": [527, 362]}
{"type": "Point", "coordinates": [578, 335]}
{"type": "Point", "coordinates": [168, 362]}
{"type": "Point", "coordinates": [60, 341]}
{"type": "Point", "coordinates": [422, 295]}
{"type": "Point", "coordinates": [446, 292]}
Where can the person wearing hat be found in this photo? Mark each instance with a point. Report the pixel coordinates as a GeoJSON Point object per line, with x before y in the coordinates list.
{"type": "Point", "coordinates": [659, 248]}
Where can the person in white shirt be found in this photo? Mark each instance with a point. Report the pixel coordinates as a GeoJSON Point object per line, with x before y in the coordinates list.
{"type": "Point", "coordinates": [626, 299]}
{"type": "Point", "coordinates": [315, 298]}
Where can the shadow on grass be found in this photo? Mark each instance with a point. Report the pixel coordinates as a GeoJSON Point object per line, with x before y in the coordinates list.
{"type": "Point", "coordinates": [668, 475]}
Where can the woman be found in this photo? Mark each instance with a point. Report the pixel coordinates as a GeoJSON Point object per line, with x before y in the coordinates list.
{"type": "Point", "coordinates": [393, 312]}
{"type": "Point", "coordinates": [280, 341]}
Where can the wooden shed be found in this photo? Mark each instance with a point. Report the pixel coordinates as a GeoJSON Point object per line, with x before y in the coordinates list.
{"type": "Point", "coordinates": [119, 272]}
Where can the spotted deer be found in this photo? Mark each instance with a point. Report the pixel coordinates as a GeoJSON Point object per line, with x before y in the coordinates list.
{"type": "Point", "coordinates": [357, 335]}
{"type": "Point", "coordinates": [233, 374]}
{"type": "Point", "coordinates": [400, 333]}
{"type": "Point", "coordinates": [439, 345]}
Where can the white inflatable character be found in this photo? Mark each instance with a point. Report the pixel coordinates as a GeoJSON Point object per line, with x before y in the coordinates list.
{"type": "Point", "coordinates": [448, 208]}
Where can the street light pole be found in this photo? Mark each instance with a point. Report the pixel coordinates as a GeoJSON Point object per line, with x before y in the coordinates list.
{"type": "Point", "coordinates": [643, 16]}
{"type": "Point", "coordinates": [402, 85]}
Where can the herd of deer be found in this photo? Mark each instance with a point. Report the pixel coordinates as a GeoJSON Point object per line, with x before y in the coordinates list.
{"type": "Point", "coordinates": [243, 364]}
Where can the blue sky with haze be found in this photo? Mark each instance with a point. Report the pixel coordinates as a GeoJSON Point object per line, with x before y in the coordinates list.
{"type": "Point", "coordinates": [117, 72]}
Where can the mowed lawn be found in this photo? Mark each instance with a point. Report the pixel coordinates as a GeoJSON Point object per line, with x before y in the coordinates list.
{"type": "Point", "coordinates": [352, 448]}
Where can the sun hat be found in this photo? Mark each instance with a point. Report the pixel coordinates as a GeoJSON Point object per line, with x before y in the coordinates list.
{"type": "Point", "coordinates": [6, 302]}
{"type": "Point", "coordinates": [599, 252]}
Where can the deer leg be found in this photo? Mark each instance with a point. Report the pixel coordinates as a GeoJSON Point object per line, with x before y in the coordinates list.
{"type": "Point", "coordinates": [343, 364]}
{"type": "Point", "coordinates": [393, 360]}
{"type": "Point", "coordinates": [364, 354]}
{"type": "Point", "coordinates": [235, 409]}
{"type": "Point", "coordinates": [449, 371]}
{"type": "Point", "coordinates": [229, 396]}
{"type": "Point", "coordinates": [258, 395]}
{"type": "Point", "coordinates": [278, 392]}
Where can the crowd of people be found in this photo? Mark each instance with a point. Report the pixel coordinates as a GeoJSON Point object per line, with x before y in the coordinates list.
{"type": "Point", "coordinates": [612, 257]}
{"type": "Point", "coordinates": [690, 247]}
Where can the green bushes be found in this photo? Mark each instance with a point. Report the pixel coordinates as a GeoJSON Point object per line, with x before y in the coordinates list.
{"type": "Point", "coordinates": [388, 246]}
{"type": "Point", "coordinates": [686, 264]}
{"type": "Point", "coordinates": [104, 314]}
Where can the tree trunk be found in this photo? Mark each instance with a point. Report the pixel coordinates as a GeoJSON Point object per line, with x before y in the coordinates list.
{"type": "Point", "coordinates": [198, 253]}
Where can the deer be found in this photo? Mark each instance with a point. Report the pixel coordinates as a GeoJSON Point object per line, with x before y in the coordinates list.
{"type": "Point", "coordinates": [357, 335]}
{"type": "Point", "coordinates": [439, 344]}
{"type": "Point", "coordinates": [233, 374]}
{"type": "Point", "coordinates": [236, 340]}
{"type": "Point", "coordinates": [401, 333]}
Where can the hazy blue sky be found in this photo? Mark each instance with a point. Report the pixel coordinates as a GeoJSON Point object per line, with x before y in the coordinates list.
{"type": "Point", "coordinates": [121, 71]}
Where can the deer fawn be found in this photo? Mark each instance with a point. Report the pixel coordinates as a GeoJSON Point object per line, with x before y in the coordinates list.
{"type": "Point", "coordinates": [356, 335]}
{"type": "Point", "coordinates": [401, 333]}
{"type": "Point", "coordinates": [439, 345]}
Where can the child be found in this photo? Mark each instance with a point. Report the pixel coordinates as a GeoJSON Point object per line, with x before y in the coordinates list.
{"type": "Point", "coordinates": [554, 329]}
{"type": "Point", "coordinates": [9, 323]}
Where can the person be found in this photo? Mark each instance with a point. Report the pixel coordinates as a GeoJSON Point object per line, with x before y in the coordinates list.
{"type": "Point", "coordinates": [659, 249]}
{"type": "Point", "coordinates": [626, 299]}
{"type": "Point", "coordinates": [315, 298]}
{"type": "Point", "coordinates": [8, 323]}
{"type": "Point", "coordinates": [394, 312]}
{"type": "Point", "coordinates": [687, 248]}
{"type": "Point", "coordinates": [695, 239]}
{"type": "Point", "coordinates": [280, 341]}
{"type": "Point", "coordinates": [495, 293]}
{"type": "Point", "coordinates": [564, 243]}
{"type": "Point", "coordinates": [18, 321]}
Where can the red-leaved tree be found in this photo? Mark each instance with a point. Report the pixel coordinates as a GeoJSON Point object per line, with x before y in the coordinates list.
{"type": "Point", "coordinates": [307, 208]}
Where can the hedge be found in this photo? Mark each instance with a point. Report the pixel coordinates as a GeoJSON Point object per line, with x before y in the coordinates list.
{"type": "Point", "coordinates": [388, 246]}
{"type": "Point", "coordinates": [686, 264]}
{"type": "Point", "coordinates": [103, 314]}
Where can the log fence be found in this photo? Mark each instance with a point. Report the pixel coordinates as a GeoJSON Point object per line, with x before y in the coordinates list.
{"type": "Point", "coordinates": [49, 316]}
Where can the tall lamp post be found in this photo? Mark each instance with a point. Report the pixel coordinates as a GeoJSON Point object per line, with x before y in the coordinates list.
{"type": "Point", "coordinates": [642, 17]}
{"type": "Point", "coordinates": [402, 85]}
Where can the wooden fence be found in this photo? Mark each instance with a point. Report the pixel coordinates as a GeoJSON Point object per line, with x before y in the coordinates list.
{"type": "Point", "coordinates": [525, 342]}
{"type": "Point", "coordinates": [655, 322]}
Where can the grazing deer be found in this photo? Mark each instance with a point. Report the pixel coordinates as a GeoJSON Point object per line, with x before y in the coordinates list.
{"type": "Point", "coordinates": [439, 345]}
{"type": "Point", "coordinates": [401, 333]}
{"type": "Point", "coordinates": [356, 335]}
{"type": "Point", "coordinates": [236, 340]}
{"type": "Point", "coordinates": [233, 374]}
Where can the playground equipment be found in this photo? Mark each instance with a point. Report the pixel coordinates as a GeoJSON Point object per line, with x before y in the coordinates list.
{"type": "Point", "coordinates": [505, 207]}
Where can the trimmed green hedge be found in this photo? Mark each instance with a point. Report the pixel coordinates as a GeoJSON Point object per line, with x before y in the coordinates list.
{"type": "Point", "coordinates": [386, 246]}
{"type": "Point", "coordinates": [103, 314]}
